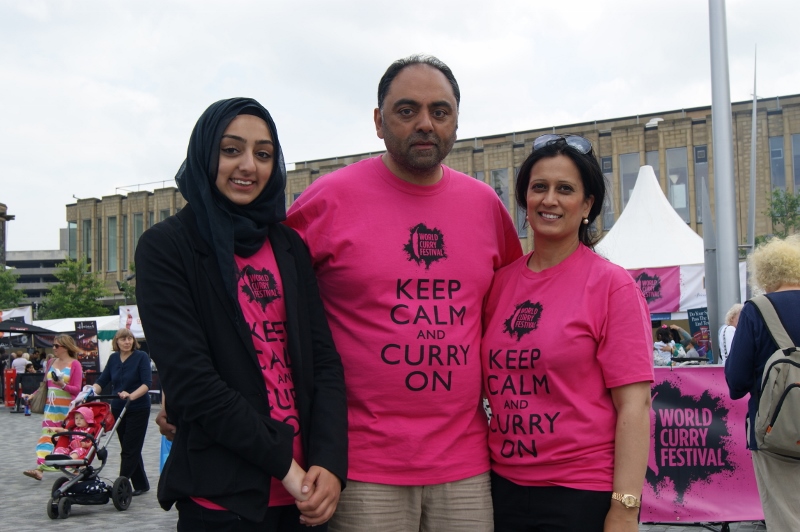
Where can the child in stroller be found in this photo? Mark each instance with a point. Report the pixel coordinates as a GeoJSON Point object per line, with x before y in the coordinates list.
{"type": "Point", "coordinates": [86, 433]}
{"type": "Point", "coordinates": [78, 445]}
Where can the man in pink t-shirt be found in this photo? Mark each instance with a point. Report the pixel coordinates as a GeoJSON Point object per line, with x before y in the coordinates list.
{"type": "Point", "coordinates": [405, 249]}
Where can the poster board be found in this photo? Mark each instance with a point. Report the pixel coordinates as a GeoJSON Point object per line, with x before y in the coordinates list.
{"type": "Point", "coordinates": [699, 469]}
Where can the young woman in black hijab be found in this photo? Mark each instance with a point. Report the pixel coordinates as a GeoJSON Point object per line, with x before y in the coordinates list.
{"type": "Point", "coordinates": [232, 315]}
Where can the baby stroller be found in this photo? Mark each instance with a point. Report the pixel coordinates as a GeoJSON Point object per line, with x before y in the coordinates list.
{"type": "Point", "coordinates": [83, 484]}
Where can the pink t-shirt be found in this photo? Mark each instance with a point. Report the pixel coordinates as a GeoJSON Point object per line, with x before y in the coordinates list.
{"type": "Point", "coordinates": [260, 292]}
{"type": "Point", "coordinates": [403, 270]}
{"type": "Point", "coordinates": [554, 343]}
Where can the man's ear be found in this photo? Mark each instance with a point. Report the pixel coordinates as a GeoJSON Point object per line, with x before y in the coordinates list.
{"type": "Point", "coordinates": [378, 122]}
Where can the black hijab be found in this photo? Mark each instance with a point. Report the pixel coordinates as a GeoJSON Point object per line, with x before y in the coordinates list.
{"type": "Point", "coordinates": [228, 228]}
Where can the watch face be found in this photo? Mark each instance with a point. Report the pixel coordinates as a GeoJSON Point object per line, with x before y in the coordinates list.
{"type": "Point", "coordinates": [629, 501]}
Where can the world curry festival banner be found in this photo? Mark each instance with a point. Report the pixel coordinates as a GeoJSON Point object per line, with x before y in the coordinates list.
{"type": "Point", "coordinates": [699, 469]}
{"type": "Point", "coordinates": [677, 288]}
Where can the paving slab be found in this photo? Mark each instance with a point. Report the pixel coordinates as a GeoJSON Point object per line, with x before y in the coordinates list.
{"type": "Point", "coordinates": [23, 500]}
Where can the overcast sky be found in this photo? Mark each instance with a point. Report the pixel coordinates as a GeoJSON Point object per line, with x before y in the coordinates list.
{"type": "Point", "coordinates": [97, 95]}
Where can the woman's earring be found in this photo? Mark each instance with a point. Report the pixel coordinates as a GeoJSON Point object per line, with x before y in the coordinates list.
{"type": "Point", "coordinates": [586, 221]}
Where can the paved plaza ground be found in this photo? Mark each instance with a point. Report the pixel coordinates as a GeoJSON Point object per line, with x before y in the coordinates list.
{"type": "Point", "coordinates": [23, 500]}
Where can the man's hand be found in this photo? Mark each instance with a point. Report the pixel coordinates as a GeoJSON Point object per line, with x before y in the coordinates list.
{"type": "Point", "coordinates": [324, 488]}
{"type": "Point", "coordinates": [165, 427]}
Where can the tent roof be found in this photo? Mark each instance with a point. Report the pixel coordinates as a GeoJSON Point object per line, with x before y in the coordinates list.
{"type": "Point", "coordinates": [649, 233]}
{"type": "Point", "coordinates": [104, 323]}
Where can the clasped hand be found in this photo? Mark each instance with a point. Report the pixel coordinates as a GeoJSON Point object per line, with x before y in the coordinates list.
{"type": "Point", "coordinates": [317, 493]}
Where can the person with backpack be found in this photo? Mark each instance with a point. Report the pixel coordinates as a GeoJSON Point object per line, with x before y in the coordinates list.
{"type": "Point", "coordinates": [775, 270]}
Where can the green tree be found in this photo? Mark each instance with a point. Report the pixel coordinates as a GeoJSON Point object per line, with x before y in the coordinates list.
{"type": "Point", "coordinates": [9, 295]}
{"type": "Point", "coordinates": [77, 295]}
{"type": "Point", "coordinates": [784, 211]}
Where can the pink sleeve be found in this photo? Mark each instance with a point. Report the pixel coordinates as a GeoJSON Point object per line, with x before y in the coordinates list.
{"type": "Point", "coordinates": [75, 379]}
{"type": "Point", "coordinates": [296, 220]}
{"type": "Point", "coordinates": [625, 349]}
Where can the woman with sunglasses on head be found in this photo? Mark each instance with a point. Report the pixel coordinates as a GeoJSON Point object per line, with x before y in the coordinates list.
{"type": "Point", "coordinates": [230, 307]}
{"type": "Point", "coordinates": [64, 376]}
{"type": "Point", "coordinates": [567, 361]}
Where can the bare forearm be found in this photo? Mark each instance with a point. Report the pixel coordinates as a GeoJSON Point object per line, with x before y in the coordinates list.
{"type": "Point", "coordinates": [631, 447]}
{"type": "Point", "coordinates": [632, 444]}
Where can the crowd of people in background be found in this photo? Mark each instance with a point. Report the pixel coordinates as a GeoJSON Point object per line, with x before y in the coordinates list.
{"type": "Point", "coordinates": [23, 361]}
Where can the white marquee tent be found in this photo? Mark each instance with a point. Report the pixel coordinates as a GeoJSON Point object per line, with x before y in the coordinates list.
{"type": "Point", "coordinates": [650, 235]}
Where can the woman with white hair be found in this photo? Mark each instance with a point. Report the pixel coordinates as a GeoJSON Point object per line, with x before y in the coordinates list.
{"type": "Point", "coordinates": [775, 268]}
{"type": "Point", "coordinates": [726, 332]}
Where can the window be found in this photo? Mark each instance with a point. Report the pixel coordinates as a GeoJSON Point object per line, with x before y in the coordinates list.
{"type": "Point", "coordinates": [295, 196]}
{"type": "Point", "coordinates": [678, 181]}
{"type": "Point", "coordinates": [651, 159]}
{"type": "Point", "coordinates": [163, 214]}
{"type": "Point", "coordinates": [608, 202]}
{"type": "Point", "coordinates": [87, 241]}
{"type": "Point", "coordinates": [628, 171]}
{"type": "Point", "coordinates": [72, 237]}
{"type": "Point", "coordinates": [112, 244]}
{"type": "Point", "coordinates": [522, 227]}
{"type": "Point", "coordinates": [124, 262]}
{"type": "Point", "coordinates": [777, 169]}
{"type": "Point", "coordinates": [700, 175]}
{"type": "Point", "coordinates": [99, 258]}
{"type": "Point", "coordinates": [796, 162]}
{"type": "Point", "coordinates": [138, 229]}
{"type": "Point", "coordinates": [480, 176]}
{"type": "Point", "coordinates": [500, 185]}
{"type": "Point", "coordinates": [522, 222]}
{"type": "Point", "coordinates": [151, 219]}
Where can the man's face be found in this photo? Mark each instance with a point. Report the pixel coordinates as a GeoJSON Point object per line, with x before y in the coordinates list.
{"type": "Point", "coordinates": [419, 119]}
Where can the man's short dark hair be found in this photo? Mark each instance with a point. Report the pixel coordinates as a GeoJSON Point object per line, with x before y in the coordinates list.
{"type": "Point", "coordinates": [417, 59]}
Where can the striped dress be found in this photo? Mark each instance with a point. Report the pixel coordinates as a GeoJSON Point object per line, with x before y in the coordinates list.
{"type": "Point", "coordinates": [55, 411]}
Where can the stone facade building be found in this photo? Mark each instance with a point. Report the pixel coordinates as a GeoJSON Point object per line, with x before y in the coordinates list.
{"type": "Point", "coordinates": [677, 143]}
{"type": "Point", "coordinates": [105, 231]}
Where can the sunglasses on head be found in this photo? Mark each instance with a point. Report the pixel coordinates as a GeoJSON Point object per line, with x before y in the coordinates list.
{"type": "Point", "coordinates": [576, 142]}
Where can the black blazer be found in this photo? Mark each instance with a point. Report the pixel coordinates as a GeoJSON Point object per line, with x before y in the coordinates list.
{"type": "Point", "coordinates": [226, 446]}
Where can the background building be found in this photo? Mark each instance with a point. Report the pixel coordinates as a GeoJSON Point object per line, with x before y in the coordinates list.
{"type": "Point", "coordinates": [677, 144]}
{"type": "Point", "coordinates": [105, 231]}
{"type": "Point", "coordinates": [36, 270]}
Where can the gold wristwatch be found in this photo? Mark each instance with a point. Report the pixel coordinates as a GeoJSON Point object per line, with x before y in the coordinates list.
{"type": "Point", "coordinates": [627, 500]}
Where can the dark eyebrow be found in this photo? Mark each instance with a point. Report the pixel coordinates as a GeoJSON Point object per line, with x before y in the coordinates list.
{"type": "Point", "coordinates": [414, 103]}
{"type": "Point", "coordinates": [442, 103]}
{"type": "Point", "coordinates": [240, 139]}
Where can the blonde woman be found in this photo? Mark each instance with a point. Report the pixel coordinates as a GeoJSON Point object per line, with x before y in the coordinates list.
{"type": "Point", "coordinates": [64, 376]}
{"type": "Point", "coordinates": [775, 270]}
{"type": "Point", "coordinates": [129, 372]}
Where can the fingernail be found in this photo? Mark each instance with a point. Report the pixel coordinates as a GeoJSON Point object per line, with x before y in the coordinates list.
{"type": "Point", "coordinates": [304, 489]}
